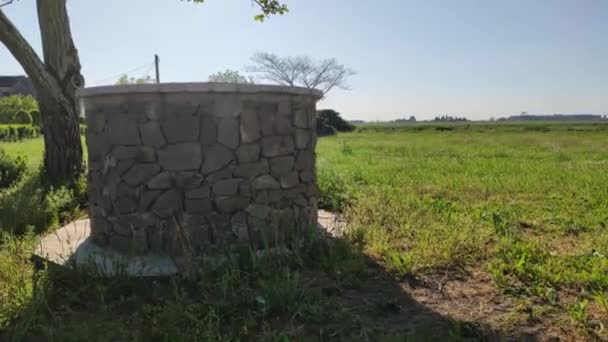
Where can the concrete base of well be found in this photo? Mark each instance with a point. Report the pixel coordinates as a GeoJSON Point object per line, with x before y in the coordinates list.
{"type": "Point", "coordinates": [70, 246]}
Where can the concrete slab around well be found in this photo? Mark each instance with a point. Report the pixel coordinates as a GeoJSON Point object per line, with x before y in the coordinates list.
{"type": "Point", "coordinates": [70, 246]}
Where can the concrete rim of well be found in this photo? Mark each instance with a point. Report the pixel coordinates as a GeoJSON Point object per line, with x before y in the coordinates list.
{"type": "Point", "coordinates": [196, 87]}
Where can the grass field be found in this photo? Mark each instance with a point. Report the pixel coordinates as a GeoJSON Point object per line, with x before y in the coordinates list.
{"type": "Point", "coordinates": [30, 148]}
{"type": "Point", "coordinates": [461, 231]}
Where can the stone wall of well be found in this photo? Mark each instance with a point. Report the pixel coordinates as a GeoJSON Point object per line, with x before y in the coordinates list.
{"type": "Point", "coordinates": [180, 172]}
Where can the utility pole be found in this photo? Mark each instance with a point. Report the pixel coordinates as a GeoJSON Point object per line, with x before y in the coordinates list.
{"type": "Point", "coordinates": [156, 60]}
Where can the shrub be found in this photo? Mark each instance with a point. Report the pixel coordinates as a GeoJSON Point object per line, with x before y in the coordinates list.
{"type": "Point", "coordinates": [36, 118]}
{"type": "Point", "coordinates": [22, 117]}
{"type": "Point", "coordinates": [332, 188]}
{"type": "Point", "coordinates": [11, 169]}
{"type": "Point", "coordinates": [32, 203]}
{"type": "Point", "coordinates": [18, 132]}
{"type": "Point", "coordinates": [332, 118]}
{"type": "Point", "coordinates": [10, 105]}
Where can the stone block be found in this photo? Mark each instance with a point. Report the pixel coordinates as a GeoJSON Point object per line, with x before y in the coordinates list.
{"type": "Point", "coordinates": [274, 196]}
{"type": "Point", "coordinates": [160, 181]}
{"type": "Point", "coordinates": [125, 204]}
{"type": "Point", "coordinates": [259, 211]}
{"type": "Point", "coordinates": [227, 187]}
{"type": "Point", "coordinates": [121, 244]}
{"type": "Point", "coordinates": [289, 180]}
{"type": "Point", "coordinates": [167, 204]}
{"type": "Point", "coordinates": [248, 153]}
{"type": "Point", "coordinates": [120, 153]}
{"type": "Point", "coordinates": [231, 204]}
{"type": "Point", "coordinates": [226, 172]}
{"type": "Point", "coordinates": [267, 124]}
{"type": "Point", "coordinates": [250, 170]}
{"type": "Point", "coordinates": [145, 154]}
{"type": "Point", "coordinates": [208, 130]}
{"type": "Point", "coordinates": [227, 106]}
{"type": "Point", "coordinates": [283, 125]}
{"type": "Point", "coordinates": [307, 176]}
{"type": "Point", "coordinates": [284, 106]}
{"type": "Point", "coordinates": [152, 135]}
{"type": "Point", "coordinates": [245, 189]}
{"type": "Point", "coordinates": [147, 198]}
{"type": "Point", "coordinates": [228, 132]}
{"type": "Point", "coordinates": [179, 157]}
{"type": "Point", "coordinates": [216, 157]}
{"type": "Point", "coordinates": [198, 206]}
{"type": "Point", "coordinates": [266, 182]}
{"type": "Point", "coordinates": [188, 180]}
{"type": "Point", "coordinates": [302, 138]}
{"type": "Point", "coordinates": [277, 146]}
{"type": "Point", "coordinates": [140, 173]}
{"type": "Point", "coordinates": [123, 130]}
{"type": "Point", "coordinates": [305, 161]}
{"type": "Point", "coordinates": [250, 126]}
{"type": "Point", "coordinates": [182, 126]}
{"type": "Point", "coordinates": [281, 165]}
{"type": "Point", "coordinates": [203, 191]}
{"type": "Point", "coordinates": [300, 118]}
{"type": "Point", "coordinates": [294, 192]}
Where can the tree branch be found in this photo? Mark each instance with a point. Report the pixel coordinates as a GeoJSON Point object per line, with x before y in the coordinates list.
{"type": "Point", "coordinates": [21, 50]}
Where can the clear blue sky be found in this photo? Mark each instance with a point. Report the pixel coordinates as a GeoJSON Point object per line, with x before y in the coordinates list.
{"type": "Point", "coordinates": [480, 58]}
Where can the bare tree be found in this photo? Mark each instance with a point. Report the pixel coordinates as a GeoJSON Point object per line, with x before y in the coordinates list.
{"type": "Point", "coordinates": [302, 71]}
{"type": "Point", "coordinates": [57, 75]}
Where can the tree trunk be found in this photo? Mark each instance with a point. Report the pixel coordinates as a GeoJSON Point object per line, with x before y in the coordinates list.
{"type": "Point", "coordinates": [55, 83]}
{"type": "Point", "coordinates": [63, 149]}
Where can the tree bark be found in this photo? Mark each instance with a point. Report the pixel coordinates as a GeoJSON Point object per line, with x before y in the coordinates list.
{"type": "Point", "coordinates": [55, 81]}
{"type": "Point", "coordinates": [63, 149]}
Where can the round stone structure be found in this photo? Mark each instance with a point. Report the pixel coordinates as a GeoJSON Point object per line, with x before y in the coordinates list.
{"type": "Point", "coordinates": [192, 168]}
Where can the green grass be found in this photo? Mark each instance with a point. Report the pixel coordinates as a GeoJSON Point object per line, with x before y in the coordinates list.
{"type": "Point", "coordinates": [33, 149]}
{"type": "Point", "coordinates": [441, 197]}
{"type": "Point", "coordinates": [528, 206]}
{"type": "Point", "coordinates": [524, 204]}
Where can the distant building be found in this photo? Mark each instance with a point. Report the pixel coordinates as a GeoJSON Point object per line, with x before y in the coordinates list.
{"type": "Point", "coordinates": [14, 85]}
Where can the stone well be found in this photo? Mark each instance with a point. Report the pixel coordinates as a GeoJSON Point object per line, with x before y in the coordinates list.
{"type": "Point", "coordinates": [196, 167]}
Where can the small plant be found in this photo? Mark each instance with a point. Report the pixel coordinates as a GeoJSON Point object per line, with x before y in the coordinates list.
{"type": "Point", "coordinates": [601, 297]}
{"type": "Point", "coordinates": [400, 263]}
{"type": "Point", "coordinates": [346, 149]}
{"type": "Point", "coordinates": [333, 189]}
{"type": "Point", "coordinates": [281, 292]}
{"type": "Point", "coordinates": [11, 169]}
{"type": "Point", "coordinates": [578, 311]}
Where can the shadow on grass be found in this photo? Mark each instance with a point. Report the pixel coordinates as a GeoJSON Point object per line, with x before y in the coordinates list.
{"type": "Point", "coordinates": [324, 289]}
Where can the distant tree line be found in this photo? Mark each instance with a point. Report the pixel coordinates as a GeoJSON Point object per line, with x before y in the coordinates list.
{"type": "Point", "coordinates": [553, 117]}
{"type": "Point", "coordinates": [448, 118]}
{"type": "Point", "coordinates": [410, 119]}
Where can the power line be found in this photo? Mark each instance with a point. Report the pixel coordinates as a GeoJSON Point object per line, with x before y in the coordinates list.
{"type": "Point", "coordinates": [147, 73]}
{"type": "Point", "coordinates": [150, 65]}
